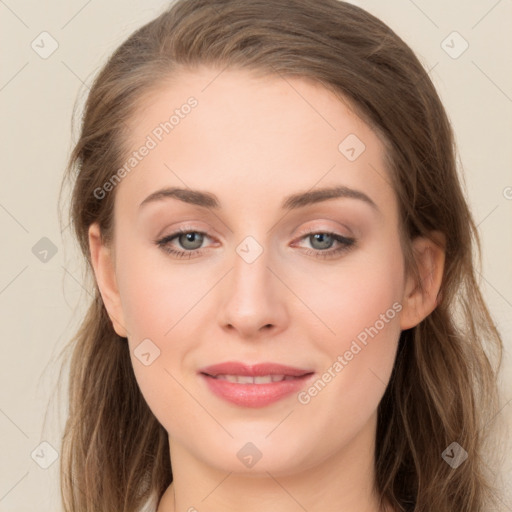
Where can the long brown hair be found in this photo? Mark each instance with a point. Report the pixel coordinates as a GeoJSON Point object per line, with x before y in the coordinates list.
{"type": "Point", "coordinates": [443, 386]}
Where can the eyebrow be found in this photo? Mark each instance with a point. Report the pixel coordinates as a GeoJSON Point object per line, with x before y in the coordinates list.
{"type": "Point", "coordinates": [292, 202]}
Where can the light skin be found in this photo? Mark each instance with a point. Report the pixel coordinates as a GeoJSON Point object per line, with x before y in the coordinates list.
{"type": "Point", "coordinates": [252, 142]}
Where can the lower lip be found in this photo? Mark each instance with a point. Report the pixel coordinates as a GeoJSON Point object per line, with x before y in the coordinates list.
{"type": "Point", "coordinates": [255, 395]}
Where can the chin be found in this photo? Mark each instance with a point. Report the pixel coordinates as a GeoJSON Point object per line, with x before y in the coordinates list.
{"type": "Point", "coordinates": [256, 454]}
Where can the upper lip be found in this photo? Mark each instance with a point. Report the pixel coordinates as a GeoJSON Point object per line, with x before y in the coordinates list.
{"type": "Point", "coordinates": [255, 370]}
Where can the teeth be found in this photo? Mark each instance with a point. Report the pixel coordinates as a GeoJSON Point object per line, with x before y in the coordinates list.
{"type": "Point", "coordinates": [244, 379]}
{"type": "Point", "coordinates": [247, 379]}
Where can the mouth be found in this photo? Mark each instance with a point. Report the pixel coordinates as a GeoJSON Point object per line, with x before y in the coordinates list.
{"type": "Point", "coordinates": [247, 379]}
{"type": "Point", "coordinates": [254, 385]}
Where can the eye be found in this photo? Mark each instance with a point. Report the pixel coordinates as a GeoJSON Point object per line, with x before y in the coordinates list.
{"type": "Point", "coordinates": [191, 241]}
{"type": "Point", "coordinates": [323, 241]}
{"type": "Point", "coordinates": [188, 239]}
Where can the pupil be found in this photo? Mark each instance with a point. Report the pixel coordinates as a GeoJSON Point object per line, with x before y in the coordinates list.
{"type": "Point", "coordinates": [324, 239]}
{"type": "Point", "coordinates": [190, 238]}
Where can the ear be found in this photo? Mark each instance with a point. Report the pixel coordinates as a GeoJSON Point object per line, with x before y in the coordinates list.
{"type": "Point", "coordinates": [103, 264]}
{"type": "Point", "coordinates": [420, 299]}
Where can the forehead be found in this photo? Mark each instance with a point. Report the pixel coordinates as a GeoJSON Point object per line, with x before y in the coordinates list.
{"type": "Point", "coordinates": [250, 139]}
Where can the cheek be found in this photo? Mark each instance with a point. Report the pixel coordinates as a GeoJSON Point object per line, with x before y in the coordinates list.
{"type": "Point", "coordinates": [159, 304]}
{"type": "Point", "coordinates": [155, 308]}
{"type": "Point", "coordinates": [361, 305]}
{"type": "Point", "coordinates": [155, 297]}
{"type": "Point", "coordinates": [362, 292]}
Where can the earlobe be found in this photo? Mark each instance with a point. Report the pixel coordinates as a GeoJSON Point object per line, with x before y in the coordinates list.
{"type": "Point", "coordinates": [421, 298]}
{"type": "Point", "coordinates": [104, 271]}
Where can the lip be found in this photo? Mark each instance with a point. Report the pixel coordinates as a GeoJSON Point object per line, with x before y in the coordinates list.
{"type": "Point", "coordinates": [254, 395]}
{"type": "Point", "coordinates": [255, 370]}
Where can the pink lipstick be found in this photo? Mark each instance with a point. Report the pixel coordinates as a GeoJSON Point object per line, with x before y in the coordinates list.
{"type": "Point", "coordinates": [254, 385]}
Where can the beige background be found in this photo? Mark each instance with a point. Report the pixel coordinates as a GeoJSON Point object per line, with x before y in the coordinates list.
{"type": "Point", "coordinates": [41, 303]}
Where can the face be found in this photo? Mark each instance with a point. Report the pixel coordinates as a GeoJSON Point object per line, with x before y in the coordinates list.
{"type": "Point", "coordinates": [314, 283]}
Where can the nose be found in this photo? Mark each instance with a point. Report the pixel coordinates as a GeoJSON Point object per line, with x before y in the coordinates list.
{"type": "Point", "coordinates": [253, 299]}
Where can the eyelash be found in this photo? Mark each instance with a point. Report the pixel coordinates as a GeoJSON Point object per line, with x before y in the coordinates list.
{"type": "Point", "coordinates": [346, 244]}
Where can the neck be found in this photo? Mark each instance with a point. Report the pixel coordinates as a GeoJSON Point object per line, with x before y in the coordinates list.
{"type": "Point", "coordinates": [343, 482]}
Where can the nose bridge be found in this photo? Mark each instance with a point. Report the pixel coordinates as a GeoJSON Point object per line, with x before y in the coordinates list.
{"type": "Point", "coordinates": [250, 276]}
{"type": "Point", "coordinates": [253, 300]}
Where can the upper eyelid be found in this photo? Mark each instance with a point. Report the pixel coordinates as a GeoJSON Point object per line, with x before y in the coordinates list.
{"type": "Point", "coordinates": [309, 231]}
{"type": "Point", "coordinates": [197, 229]}
{"type": "Point", "coordinates": [301, 235]}
{"type": "Point", "coordinates": [305, 231]}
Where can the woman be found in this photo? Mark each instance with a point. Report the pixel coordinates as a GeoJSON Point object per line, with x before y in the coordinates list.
{"type": "Point", "coordinates": [286, 313]}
